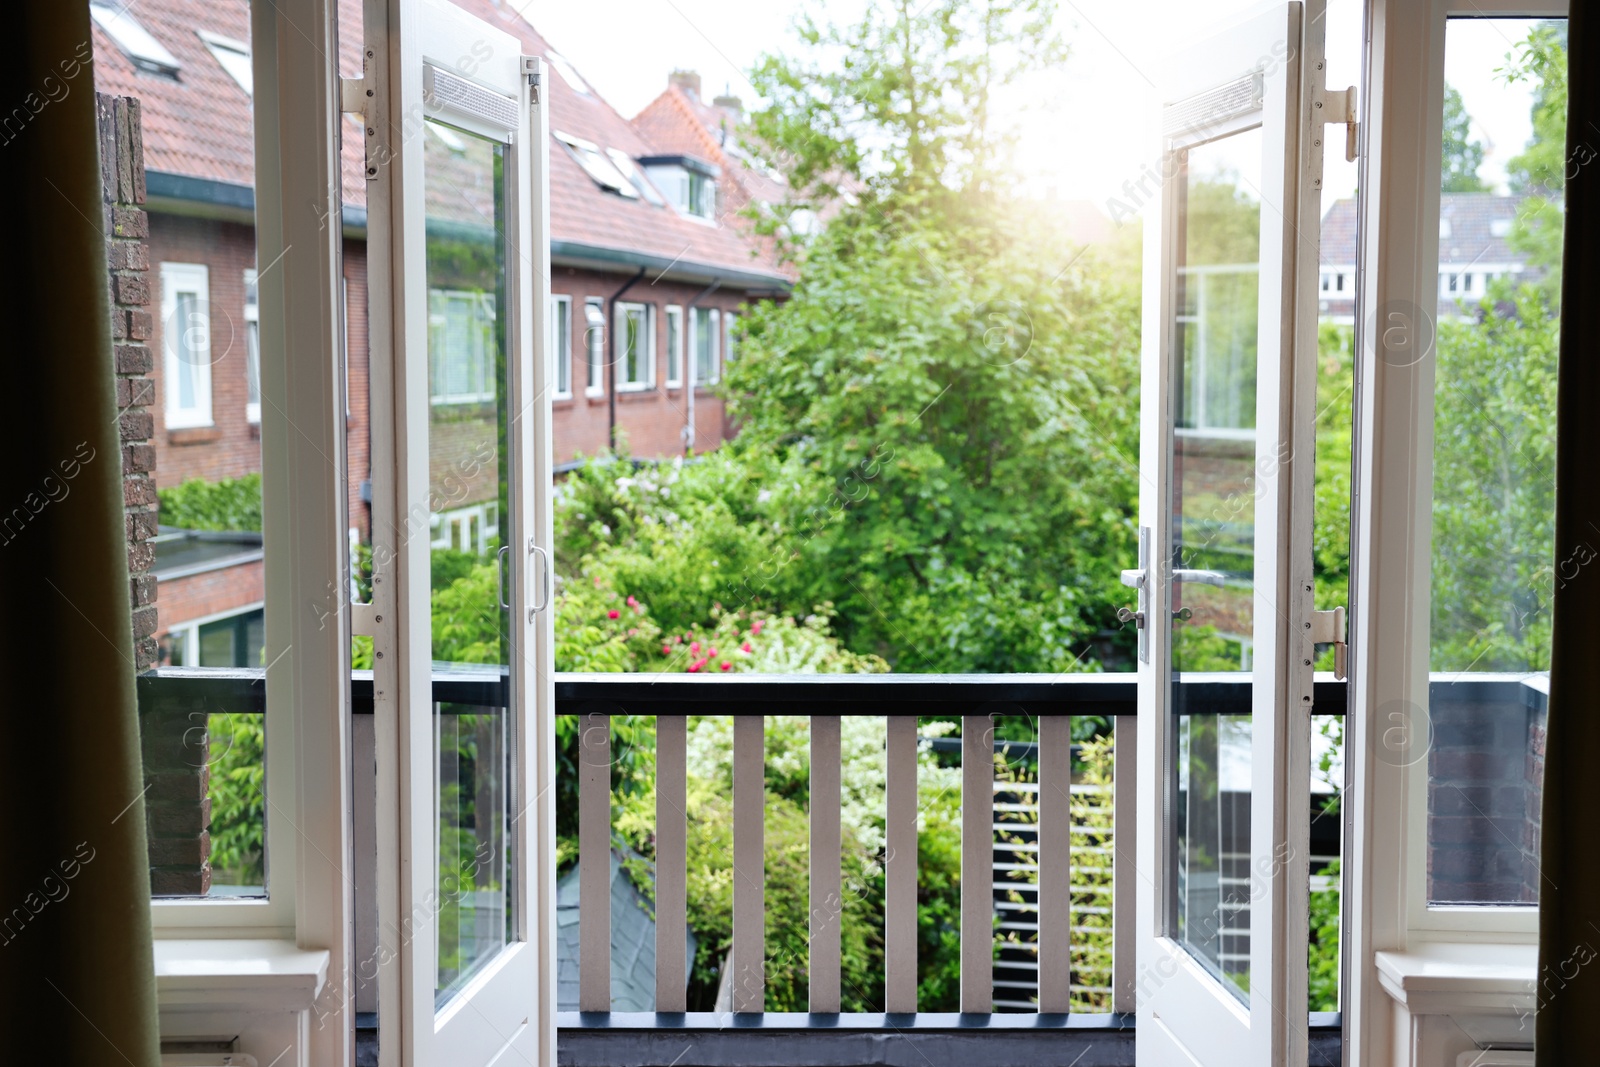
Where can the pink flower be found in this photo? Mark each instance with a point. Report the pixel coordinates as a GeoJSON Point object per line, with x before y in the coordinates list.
{"type": "Point", "coordinates": [694, 668]}
{"type": "Point", "coordinates": [746, 647]}
{"type": "Point", "coordinates": [633, 631]}
{"type": "Point", "coordinates": [755, 628]}
{"type": "Point", "coordinates": [725, 664]}
{"type": "Point", "coordinates": [613, 614]}
{"type": "Point", "coordinates": [632, 603]}
{"type": "Point", "coordinates": [694, 646]}
{"type": "Point", "coordinates": [666, 650]}
{"type": "Point", "coordinates": [712, 653]}
{"type": "Point", "coordinates": [597, 581]}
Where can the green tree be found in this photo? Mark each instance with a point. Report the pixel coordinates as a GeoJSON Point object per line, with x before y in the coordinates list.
{"type": "Point", "coordinates": [1462, 155]}
{"type": "Point", "coordinates": [1540, 172]}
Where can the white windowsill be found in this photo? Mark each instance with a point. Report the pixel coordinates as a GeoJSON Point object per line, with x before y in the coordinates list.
{"type": "Point", "coordinates": [237, 975]}
{"type": "Point", "coordinates": [1455, 977]}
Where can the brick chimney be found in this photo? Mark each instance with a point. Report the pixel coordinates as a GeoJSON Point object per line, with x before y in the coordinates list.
{"type": "Point", "coordinates": [687, 80]}
{"type": "Point", "coordinates": [732, 105]}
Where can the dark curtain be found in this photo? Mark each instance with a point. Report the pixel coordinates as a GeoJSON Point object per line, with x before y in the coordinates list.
{"type": "Point", "coordinates": [1569, 889]}
{"type": "Point", "coordinates": [76, 979]}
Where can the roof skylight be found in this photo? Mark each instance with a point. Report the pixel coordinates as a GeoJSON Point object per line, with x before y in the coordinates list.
{"type": "Point", "coordinates": [134, 40]}
{"type": "Point", "coordinates": [597, 166]}
{"type": "Point", "coordinates": [234, 56]}
{"type": "Point", "coordinates": [625, 164]}
{"type": "Point", "coordinates": [568, 72]}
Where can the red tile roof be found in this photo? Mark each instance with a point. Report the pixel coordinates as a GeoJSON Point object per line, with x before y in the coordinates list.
{"type": "Point", "coordinates": [198, 125]}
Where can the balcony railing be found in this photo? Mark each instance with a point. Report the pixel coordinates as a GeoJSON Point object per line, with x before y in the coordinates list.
{"type": "Point", "coordinates": [747, 1034]}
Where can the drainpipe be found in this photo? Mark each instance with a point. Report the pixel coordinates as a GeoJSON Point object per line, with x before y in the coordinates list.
{"type": "Point", "coordinates": [689, 362]}
{"type": "Point", "coordinates": [611, 367]}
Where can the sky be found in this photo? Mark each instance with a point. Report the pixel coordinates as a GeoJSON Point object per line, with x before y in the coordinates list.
{"type": "Point", "coordinates": [1085, 127]}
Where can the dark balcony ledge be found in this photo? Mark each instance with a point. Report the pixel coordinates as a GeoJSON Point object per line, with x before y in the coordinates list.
{"type": "Point", "coordinates": [707, 1039]}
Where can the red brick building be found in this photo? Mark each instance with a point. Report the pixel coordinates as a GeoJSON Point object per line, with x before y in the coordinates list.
{"type": "Point", "coordinates": [652, 261]}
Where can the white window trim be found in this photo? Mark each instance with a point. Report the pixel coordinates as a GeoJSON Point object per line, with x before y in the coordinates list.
{"type": "Point", "coordinates": [594, 349]}
{"type": "Point", "coordinates": [560, 310]}
{"type": "Point", "coordinates": [189, 278]}
{"type": "Point", "coordinates": [648, 312]}
{"type": "Point", "coordinates": [675, 313]}
{"type": "Point", "coordinates": [1391, 534]}
{"type": "Point", "coordinates": [252, 317]}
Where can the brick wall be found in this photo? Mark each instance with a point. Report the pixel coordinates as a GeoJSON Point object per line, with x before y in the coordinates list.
{"type": "Point", "coordinates": [128, 259]}
{"type": "Point", "coordinates": [175, 755]}
{"type": "Point", "coordinates": [651, 420]}
{"type": "Point", "coordinates": [231, 445]}
{"type": "Point", "coordinates": [1486, 769]}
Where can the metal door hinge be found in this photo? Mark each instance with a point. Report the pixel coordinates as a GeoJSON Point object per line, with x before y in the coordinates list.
{"type": "Point", "coordinates": [355, 98]}
{"type": "Point", "coordinates": [1338, 106]}
{"type": "Point", "coordinates": [1327, 628]}
{"type": "Point", "coordinates": [1140, 579]}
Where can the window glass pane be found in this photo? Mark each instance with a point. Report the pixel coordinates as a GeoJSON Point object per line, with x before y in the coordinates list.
{"type": "Point", "coordinates": [206, 838]}
{"type": "Point", "coordinates": [470, 477]}
{"type": "Point", "coordinates": [1496, 565]}
{"type": "Point", "coordinates": [674, 343]}
{"type": "Point", "coordinates": [561, 343]}
{"type": "Point", "coordinates": [1212, 557]}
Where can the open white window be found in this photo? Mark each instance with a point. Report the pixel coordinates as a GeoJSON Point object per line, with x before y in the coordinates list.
{"type": "Point", "coordinates": [463, 684]}
{"type": "Point", "coordinates": [186, 343]}
{"type": "Point", "coordinates": [1224, 580]}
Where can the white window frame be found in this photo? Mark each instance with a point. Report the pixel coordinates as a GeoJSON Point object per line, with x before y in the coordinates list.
{"type": "Point", "coordinates": [305, 499]}
{"type": "Point", "coordinates": [252, 347]}
{"type": "Point", "coordinates": [228, 53]}
{"type": "Point", "coordinates": [714, 359]}
{"type": "Point", "coordinates": [1391, 551]}
{"type": "Point", "coordinates": [675, 346]}
{"type": "Point", "coordinates": [189, 629]}
{"type": "Point", "coordinates": [192, 279]}
{"type": "Point", "coordinates": [647, 321]}
{"type": "Point", "coordinates": [561, 347]}
{"type": "Point", "coordinates": [594, 347]}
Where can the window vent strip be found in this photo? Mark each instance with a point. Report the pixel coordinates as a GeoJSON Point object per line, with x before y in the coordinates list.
{"type": "Point", "coordinates": [1213, 107]}
{"type": "Point", "coordinates": [444, 91]}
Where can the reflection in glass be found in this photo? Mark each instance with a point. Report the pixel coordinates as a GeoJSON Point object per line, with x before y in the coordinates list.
{"type": "Point", "coordinates": [469, 482]}
{"type": "Point", "coordinates": [1212, 556]}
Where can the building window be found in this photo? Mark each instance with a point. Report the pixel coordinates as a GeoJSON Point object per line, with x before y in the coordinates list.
{"type": "Point", "coordinates": [674, 347]}
{"type": "Point", "coordinates": [689, 184]}
{"type": "Point", "coordinates": [229, 641]}
{"type": "Point", "coordinates": [730, 349]}
{"type": "Point", "coordinates": [704, 341]}
{"type": "Point", "coordinates": [252, 348]}
{"type": "Point", "coordinates": [598, 166]}
{"type": "Point", "coordinates": [594, 346]}
{"type": "Point", "coordinates": [136, 42]}
{"type": "Point", "coordinates": [186, 343]}
{"type": "Point", "coordinates": [636, 335]}
{"type": "Point", "coordinates": [561, 345]}
{"type": "Point", "coordinates": [234, 57]}
{"type": "Point", "coordinates": [461, 346]}
{"type": "Point", "coordinates": [474, 528]}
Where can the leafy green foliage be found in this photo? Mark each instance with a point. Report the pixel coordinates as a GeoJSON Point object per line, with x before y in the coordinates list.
{"type": "Point", "coordinates": [238, 808]}
{"type": "Point", "coordinates": [230, 504]}
{"type": "Point", "coordinates": [1323, 963]}
{"type": "Point", "coordinates": [1494, 485]}
{"type": "Point", "coordinates": [1541, 170]}
{"type": "Point", "coordinates": [1462, 155]}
